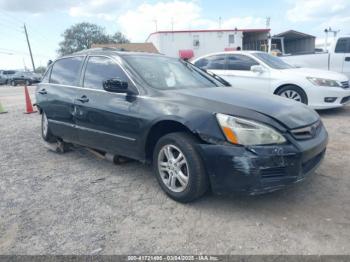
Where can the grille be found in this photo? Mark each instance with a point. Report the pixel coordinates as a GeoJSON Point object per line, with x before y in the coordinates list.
{"type": "Point", "coordinates": [345, 100]}
{"type": "Point", "coordinates": [273, 172]}
{"type": "Point", "coordinates": [307, 132]}
{"type": "Point", "coordinates": [345, 84]}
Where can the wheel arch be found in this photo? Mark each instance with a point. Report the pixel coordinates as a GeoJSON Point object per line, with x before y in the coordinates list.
{"type": "Point", "coordinates": [292, 85]}
{"type": "Point", "coordinates": [161, 128]}
{"type": "Point", "coordinates": [278, 88]}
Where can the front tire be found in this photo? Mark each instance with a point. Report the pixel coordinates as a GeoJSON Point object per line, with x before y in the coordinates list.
{"type": "Point", "coordinates": [13, 83]}
{"type": "Point", "coordinates": [45, 130]}
{"type": "Point", "coordinates": [179, 168]}
{"type": "Point", "coordinates": [293, 92]}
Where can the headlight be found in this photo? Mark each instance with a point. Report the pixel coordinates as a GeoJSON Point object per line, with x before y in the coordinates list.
{"type": "Point", "coordinates": [246, 132]}
{"type": "Point", "coordinates": [323, 82]}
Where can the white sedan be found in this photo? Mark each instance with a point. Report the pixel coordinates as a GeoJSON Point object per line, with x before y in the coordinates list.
{"type": "Point", "coordinates": [260, 72]}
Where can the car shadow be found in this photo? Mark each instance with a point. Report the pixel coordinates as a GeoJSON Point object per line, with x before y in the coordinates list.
{"type": "Point", "coordinates": [296, 196]}
{"type": "Point", "coordinates": [334, 112]}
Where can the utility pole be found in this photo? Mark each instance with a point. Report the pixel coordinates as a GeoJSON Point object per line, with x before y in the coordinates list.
{"type": "Point", "coordinates": [156, 24]}
{"type": "Point", "coordinates": [30, 49]}
{"type": "Point", "coordinates": [268, 21]}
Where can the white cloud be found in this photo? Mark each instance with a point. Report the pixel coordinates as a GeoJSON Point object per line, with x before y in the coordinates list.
{"type": "Point", "coordinates": [103, 9]}
{"type": "Point", "coordinates": [307, 10]}
{"type": "Point", "coordinates": [181, 15]}
{"type": "Point", "coordinates": [34, 6]}
{"type": "Point", "coordinates": [244, 22]}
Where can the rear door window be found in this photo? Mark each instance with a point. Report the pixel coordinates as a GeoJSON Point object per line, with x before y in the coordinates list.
{"type": "Point", "coordinates": [215, 62]}
{"type": "Point", "coordinates": [99, 69]}
{"type": "Point", "coordinates": [66, 71]}
{"type": "Point", "coordinates": [343, 45]}
{"type": "Point", "coordinates": [240, 62]}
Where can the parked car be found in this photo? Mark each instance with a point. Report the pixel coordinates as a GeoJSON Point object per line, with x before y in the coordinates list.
{"type": "Point", "coordinates": [195, 131]}
{"type": "Point", "coordinates": [261, 72]}
{"type": "Point", "coordinates": [2, 80]}
{"type": "Point", "coordinates": [336, 59]}
{"type": "Point", "coordinates": [26, 78]}
{"type": "Point", "coordinates": [5, 75]}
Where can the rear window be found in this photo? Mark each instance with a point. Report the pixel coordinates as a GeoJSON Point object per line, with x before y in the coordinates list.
{"type": "Point", "coordinates": [240, 62]}
{"type": "Point", "coordinates": [66, 71]}
{"type": "Point", "coordinates": [343, 45]}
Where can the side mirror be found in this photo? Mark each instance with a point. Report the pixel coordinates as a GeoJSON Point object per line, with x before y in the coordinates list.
{"type": "Point", "coordinates": [257, 69]}
{"type": "Point", "coordinates": [115, 85]}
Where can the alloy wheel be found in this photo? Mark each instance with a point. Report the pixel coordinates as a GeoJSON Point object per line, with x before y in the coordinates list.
{"type": "Point", "coordinates": [45, 125]}
{"type": "Point", "coordinates": [291, 94]}
{"type": "Point", "coordinates": [173, 168]}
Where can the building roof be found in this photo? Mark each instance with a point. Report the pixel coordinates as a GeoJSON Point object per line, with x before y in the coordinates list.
{"type": "Point", "coordinates": [292, 34]}
{"type": "Point", "coordinates": [210, 31]}
{"type": "Point", "coordinates": [131, 47]}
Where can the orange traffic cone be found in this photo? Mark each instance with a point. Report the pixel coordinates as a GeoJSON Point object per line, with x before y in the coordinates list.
{"type": "Point", "coordinates": [29, 106]}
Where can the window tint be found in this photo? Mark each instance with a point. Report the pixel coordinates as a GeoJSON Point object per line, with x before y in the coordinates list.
{"type": "Point", "coordinates": [201, 63]}
{"type": "Point", "coordinates": [343, 45]}
{"type": "Point", "coordinates": [272, 61]}
{"type": "Point", "coordinates": [66, 71]}
{"type": "Point", "coordinates": [9, 72]}
{"type": "Point", "coordinates": [216, 62]}
{"type": "Point", "coordinates": [240, 62]}
{"type": "Point", "coordinates": [100, 69]}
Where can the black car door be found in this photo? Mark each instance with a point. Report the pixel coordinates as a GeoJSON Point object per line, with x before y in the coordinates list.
{"type": "Point", "coordinates": [106, 121]}
{"type": "Point", "coordinates": [59, 96]}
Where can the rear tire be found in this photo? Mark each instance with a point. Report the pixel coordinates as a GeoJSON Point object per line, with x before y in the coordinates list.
{"type": "Point", "coordinates": [45, 130]}
{"type": "Point", "coordinates": [182, 165]}
{"type": "Point", "coordinates": [293, 92]}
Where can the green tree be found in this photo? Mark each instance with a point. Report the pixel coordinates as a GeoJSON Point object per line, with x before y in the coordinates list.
{"type": "Point", "coordinates": [119, 38]}
{"type": "Point", "coordinates": [40, 70]}
{"type": "Point", "coordinates": [83, 35]}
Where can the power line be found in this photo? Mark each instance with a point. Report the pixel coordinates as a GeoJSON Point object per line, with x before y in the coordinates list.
{"type": "Point", "coordinates": [31, 30]}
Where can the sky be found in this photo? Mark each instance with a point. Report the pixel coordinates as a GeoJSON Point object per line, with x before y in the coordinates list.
{"type": "Point", "coordinates": [47, 20]}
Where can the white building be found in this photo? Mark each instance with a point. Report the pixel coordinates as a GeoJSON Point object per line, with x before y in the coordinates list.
{"type": "Point", "coordinates": [194, 43]}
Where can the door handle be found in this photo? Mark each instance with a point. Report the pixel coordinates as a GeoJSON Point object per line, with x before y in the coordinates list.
{"type": "Point", "coordinates": [43, 92]}
{"type": "Point", "coordinates": [83, 99]}
{"type": "Point", "coordinates": [347, 59]}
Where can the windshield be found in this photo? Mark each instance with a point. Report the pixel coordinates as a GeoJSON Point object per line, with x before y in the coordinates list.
{"type": "Point", "coordinates": [272, 61]}
{"type": "Point", "coordinates": [167, 73]}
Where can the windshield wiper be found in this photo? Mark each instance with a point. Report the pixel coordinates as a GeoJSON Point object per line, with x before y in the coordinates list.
{"type": "Point", "coordinates": [218, 78]}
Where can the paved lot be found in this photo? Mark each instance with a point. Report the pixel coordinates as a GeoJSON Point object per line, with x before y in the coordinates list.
{"type": "Point", "coordinates": [75, 203]}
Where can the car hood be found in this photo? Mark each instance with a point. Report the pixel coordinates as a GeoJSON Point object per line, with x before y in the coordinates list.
{"type": "Point", "coordinates": [226, 100]}
{"type": "Point", "coordinates": [310, 72]}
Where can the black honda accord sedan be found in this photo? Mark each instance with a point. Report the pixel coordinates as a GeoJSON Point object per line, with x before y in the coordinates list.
{"type": "Point", "coordinates": [195, 131]}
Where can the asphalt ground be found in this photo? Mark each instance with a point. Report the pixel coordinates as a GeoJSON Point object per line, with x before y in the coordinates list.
{"type": "Point", "coordinates": [77, 203]}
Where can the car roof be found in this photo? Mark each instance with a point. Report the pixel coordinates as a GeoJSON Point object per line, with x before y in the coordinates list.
{"type": "Point", "coordinates": [230, 52]}
{"type": "Point", "coordinates": [110, 51]}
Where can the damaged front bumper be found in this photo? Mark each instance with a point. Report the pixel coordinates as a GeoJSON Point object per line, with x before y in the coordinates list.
{"type": "Point", "coordinates": [262, 169]}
